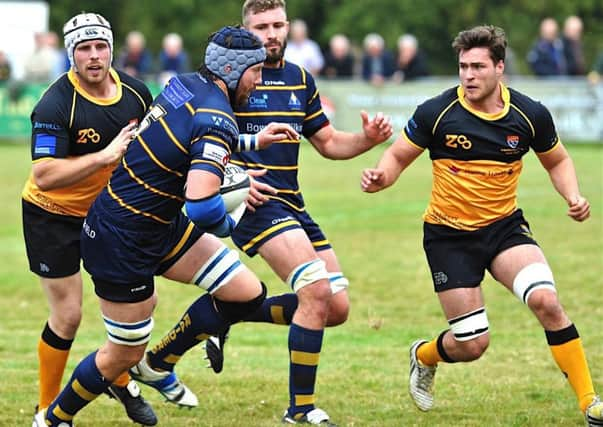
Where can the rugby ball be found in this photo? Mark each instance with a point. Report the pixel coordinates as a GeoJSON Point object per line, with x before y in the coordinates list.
{"type": "Point", "coordinates": [235, 186]}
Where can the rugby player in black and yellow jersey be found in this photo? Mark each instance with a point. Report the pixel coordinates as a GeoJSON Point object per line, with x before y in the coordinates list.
{"type": "Point", "coordinates": [477, 134]}
{"type": "Point", "coordinates": [80, 128]}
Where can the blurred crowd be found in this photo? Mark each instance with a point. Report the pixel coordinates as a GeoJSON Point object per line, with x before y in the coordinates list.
{"type": "Point", "coordinates": [554, 52]}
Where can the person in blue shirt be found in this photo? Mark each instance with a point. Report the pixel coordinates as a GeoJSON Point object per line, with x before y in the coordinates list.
{"type": "Point", "coordinates": [136, 228]}
{"type": "Point", "coordinates": [277, 225]}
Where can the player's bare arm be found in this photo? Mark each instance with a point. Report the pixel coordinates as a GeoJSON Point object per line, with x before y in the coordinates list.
{"type": "Point", "coordinates": [394, 160]}
{"type": "Point", "coordinates": [58, 173]}
{"type": "Point", "coordinates": [562, 172]}
{"type": "Point", "coordinates": [339, 145]}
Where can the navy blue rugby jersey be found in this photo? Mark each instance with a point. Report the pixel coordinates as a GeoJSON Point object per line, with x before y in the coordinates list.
{"type": "Point", "coordinates": [190, 125]}
{"type": "Point", "coordinates": [476, 157]}
{"type": "Point", "coordinates": [69, 122]}
{"type": "Point", "coordinates": [287, 94]}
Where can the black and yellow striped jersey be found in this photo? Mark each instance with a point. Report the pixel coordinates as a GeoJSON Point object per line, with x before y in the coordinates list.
{"type": "Point", "coordinates": [476, 157]}
{"type": "Point", "coordinates": [287, 94]}
{"type": "Point", "coordinates": [190, 125]}
{"type": "Point", "coordinates": [68, 121]}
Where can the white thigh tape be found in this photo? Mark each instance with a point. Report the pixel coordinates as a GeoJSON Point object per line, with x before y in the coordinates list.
{"type": "Point", "coordinates": [307, 273]}
{"type": "Point", "coordinates": [532, 277]}
{"type": "Point", "coordinates": [222, 266]}
{"type": "Point", "coordinates": [131, 334]}
{"type": "Point", "coordinates": [338, 282]}
{"type": "Point", "coordinates": [469, 325]}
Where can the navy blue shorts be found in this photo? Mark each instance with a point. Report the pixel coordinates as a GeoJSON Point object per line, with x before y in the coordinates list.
{"type": "Point", "coordinates": [270, 220]}
{"type": "Point", "coordinates": [123, 260]}
{"type": "Point", "coordinates": [459, 259]}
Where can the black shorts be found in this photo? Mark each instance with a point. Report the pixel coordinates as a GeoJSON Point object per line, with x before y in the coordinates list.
{"type": "Point", "coordinates": [52, 241]}
{"type": "Point", "coordinates": [459, 259]}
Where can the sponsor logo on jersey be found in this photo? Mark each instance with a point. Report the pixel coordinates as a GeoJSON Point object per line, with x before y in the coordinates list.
{"type": "Point", "coordinates": [50, 126]}
{"type": "Point", "coordinates": [293, 101]}
{"type": "Point", "coordinates": [176, 93]}
{"type": "Point", "coordinates": [274, 83]}
{"type": "Point", "coordinates": [215, 152]}
{"type": "Point", "coordinates": [258, 101]}
{"type": "Point", "coordinates": [512, 141]}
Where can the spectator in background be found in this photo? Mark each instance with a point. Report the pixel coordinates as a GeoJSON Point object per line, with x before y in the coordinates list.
{"type": "Point", "coordinates": [339, 60]}
{"type": "Point", "coordinates": [172, 58]}
{"type": "Point", "coordinates": [546, 57]}
{"type": "Point", "coordinates": [302, 50]}
{"type": "Point", "coordinates": [135, 59]}
{"type": "Point", "coordinates": [595, 74]}
{"type": "Point", "coordinates": [5, 68]}
{"type": "Point", "coordinates": [377, 62]}
{"type": "Point", "coordinates": [411, 63]}
{"type": "Point", "coordinates": [572, 46]}
{"type": "Point", "coordinates": [45, 63]}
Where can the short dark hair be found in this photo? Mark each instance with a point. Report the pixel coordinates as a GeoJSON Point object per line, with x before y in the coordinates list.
{"type": "Point", "coordinates": [489, 36]}
{"type": "Point", "coordinates": [257, 6]}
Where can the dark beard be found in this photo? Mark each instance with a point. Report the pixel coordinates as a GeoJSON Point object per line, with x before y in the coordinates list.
{"type": "Point", "coordinates": [275, 58]}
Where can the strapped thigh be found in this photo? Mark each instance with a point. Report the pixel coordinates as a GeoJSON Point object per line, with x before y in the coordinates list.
{"type": "Point", "coordinates": [218, 270]}
{"type": "Point", "coordinates": [470, 325]}
{"type": "Point", "coordinates": [130, 334]}
{"type": "Point", "coordinates": [534, 276]}
{"type": "Point", "coordinates": [338, 281]}
{"type": "Point", "coordinates": [307, 273]}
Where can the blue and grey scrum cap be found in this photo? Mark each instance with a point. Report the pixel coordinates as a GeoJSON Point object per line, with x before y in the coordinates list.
{"type": "Point", "coordinates": [236, 47]}
{"type": "Point", "coordinates": [84, 27]}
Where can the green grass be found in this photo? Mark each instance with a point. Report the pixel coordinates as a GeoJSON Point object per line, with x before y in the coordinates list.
{"type": "Point", "coordinates": [364, 364]}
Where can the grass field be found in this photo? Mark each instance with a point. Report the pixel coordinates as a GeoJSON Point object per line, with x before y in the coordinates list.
{"type": "Point", "coordinates": [364, 363]}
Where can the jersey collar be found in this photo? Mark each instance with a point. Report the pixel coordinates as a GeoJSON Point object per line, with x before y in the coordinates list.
{"type": "Point", "coordinates": [506, 97]}
{"type": "Point", "coordinates": [100, 101]}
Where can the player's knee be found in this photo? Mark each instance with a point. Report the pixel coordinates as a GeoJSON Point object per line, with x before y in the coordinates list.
{"type": "Point", "coordinates": [545, 305]}
{"type": "Point", "coordinates": [236, 311]}
{"type": "Point", "coordinates": [66, 322]}
{"type": "Point", "coordinates": [339, 310]}
{"type": "Point", "coordinates": [475, 348]}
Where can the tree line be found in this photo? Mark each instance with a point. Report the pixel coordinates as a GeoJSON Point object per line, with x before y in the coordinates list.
{"type": "Point", "coordinates": [435, 23]}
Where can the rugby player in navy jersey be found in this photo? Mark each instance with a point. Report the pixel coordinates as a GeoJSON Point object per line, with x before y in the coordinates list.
{"type": "Point", "coordinates": [276, 224]}
{"type": "Point", "coordinates": [477, 134]}
{"type": "Point", "coordinates": [81, 127]}
{"type": "Point", "coordinates": [135, 229]}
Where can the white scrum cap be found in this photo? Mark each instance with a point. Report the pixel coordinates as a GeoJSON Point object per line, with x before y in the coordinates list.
{"type": "Point", "coordinates": [83, 27]}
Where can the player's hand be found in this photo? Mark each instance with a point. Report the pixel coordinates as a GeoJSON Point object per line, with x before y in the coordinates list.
{"type": "Point", "coordinates": [377, 129]}
{"type": "Point", "coordinates": [276, 132]}
{"type": "Point", "coordinates": [113, 152]}
{"type": "Point", "coordinates": [579, 208]}
{"type": "Point", "coordinates": [372, 180]}
{"type": "Point", "coordinates": [258, 190]}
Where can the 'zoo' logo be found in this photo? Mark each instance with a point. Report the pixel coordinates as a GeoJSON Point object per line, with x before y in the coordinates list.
{"type": "Point", "coordinates": [85, 135]}
{"type": "Point", "coordinates": [454, 141]}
